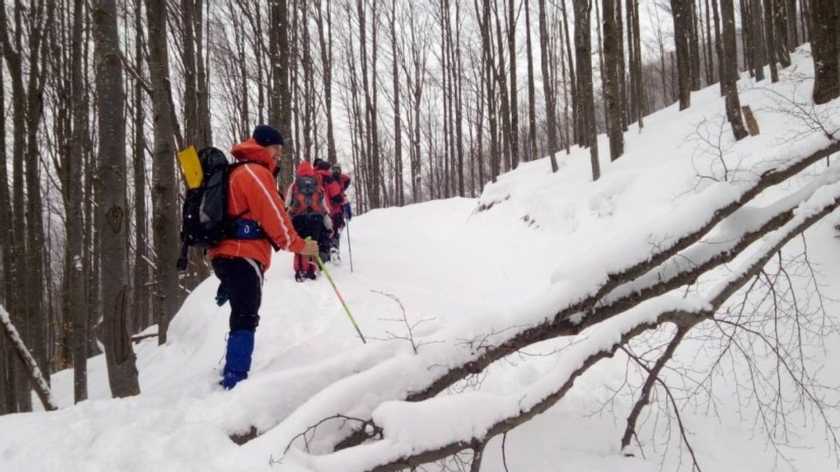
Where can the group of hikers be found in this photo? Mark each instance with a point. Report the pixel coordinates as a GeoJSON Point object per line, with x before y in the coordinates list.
{"type": "Point", "coordinates": [318, 206]}
{"type": "Point", "coordinates": [308, 223]}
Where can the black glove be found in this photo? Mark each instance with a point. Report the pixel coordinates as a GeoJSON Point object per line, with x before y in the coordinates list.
{"type": "Point", "coordinates": [222, 294]}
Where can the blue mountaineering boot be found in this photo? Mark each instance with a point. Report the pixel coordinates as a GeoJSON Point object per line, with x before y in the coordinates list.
{"type": "Point", "coordinates": [240, 346]}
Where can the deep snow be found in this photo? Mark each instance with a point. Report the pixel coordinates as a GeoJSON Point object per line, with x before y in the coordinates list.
{"type": "Point", "coordinates": [460, 273]}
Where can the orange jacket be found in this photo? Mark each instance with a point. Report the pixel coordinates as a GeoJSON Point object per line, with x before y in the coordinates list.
{"type": "Point", "coordinates": [334, 193]}
{"type": "Point", "coordinates": [305, 169]}
{"type": "Point", "coordinates": [252, 194]}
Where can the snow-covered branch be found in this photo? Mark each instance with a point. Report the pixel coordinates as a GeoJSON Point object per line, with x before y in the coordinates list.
{"type": "Point", "coordinates": [482, 416]}
{"type": "Point", "coordinates": [420, 377]}
{"type": "Point", "coordinates": [41, 386]}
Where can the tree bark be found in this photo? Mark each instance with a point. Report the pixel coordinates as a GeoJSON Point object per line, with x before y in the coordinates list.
{"type": "Point", "coordinates": [532, 114]}
{"type": "Point", "coordinates": [120, 358]}
{"type": "Point", "coordinates": [612, 94]}
{"type": "Point", "coordinates": [8, 400]}
{"type": "Point", "coordinates": [729, 76]}
{"type": "Point", "coordinates": [583, 49]}
{"type": "Point", "coordinates": [399, 193]}
{"type": "Point", "coordinates": [722, 67]}
{"type": "Point", "coordinates": [548, 89]}
{"type": "Point", "coordinates": [13, 58]}
{"type": "Point", "coordinates": [514, 90]}
{"type": "Point", "coordinates": [164, 186]}
{"type": "Point", "coordinates": [759, 51]}
{"type": "Point", "coordinates": [325, 41]}
{"type": "Point", "coordinates": [577, 116]}
{"type": "Point", "coordinates": [682, 32]}
{"type": "Point", "coordinates": [42, 387]}
{"type": "Point", "coordinates": [638, 83]}
{"type": "Point", "coordinates": [280, 97]}
{"type": "Point", "coordinates": [825, 29]}
{"type": "Point", "coordinates": [769, 26]}
{"type": "Point", "coordinates": [140, 279]}
{"type": "Point", "coordinates": [77, 309]}
{"type": "Point", "coordinates": [694, 43]}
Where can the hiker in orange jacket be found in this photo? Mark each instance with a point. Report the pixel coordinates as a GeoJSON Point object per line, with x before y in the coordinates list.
{"type": "Point", "coordinates": [240, 263]}
{"type": "Point", "coordinates": [309, 210]}
{"type": "Point", "coordinates": [335, 185]}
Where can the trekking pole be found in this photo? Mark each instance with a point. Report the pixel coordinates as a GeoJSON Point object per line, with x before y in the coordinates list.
{"type": "Point", "coordinates": [340, 298]}
{"type": "Point", "coordinates": [349, 246]}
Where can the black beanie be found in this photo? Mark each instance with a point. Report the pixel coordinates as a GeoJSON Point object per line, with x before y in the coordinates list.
{"type": "Point", "coordinates": [321, 164]}
{"type": "Point", "coordinates": [265, 135]}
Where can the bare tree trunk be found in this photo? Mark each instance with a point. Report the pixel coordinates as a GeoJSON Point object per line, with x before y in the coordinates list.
{"type": "Point", "coordinates": [568, 79]}
{"type": "Point", "coordinates": [769, 14]}
{"type": "Point", "coordinates": [719, 49]}
{"type": "Point", "coordinates": [532, 114]}
{"type": "Point", "coordinates": [682, 32]}
{"type": "Point", "coordinates": [399, 194]}
{"type": "Point", "coordinates": [196, 123]}
{"type": "Point", "coordinates": [660, 42]}
{"type": "Point", "coordinates": [164, 190]}
{"type": "Point", "coordinates": [583, 48]}
{"type": "Point", "coordinates": [514, 91]}
{"type": "Point", "coordinates": [325, 41]}
{"type": "Point", "coordinates": [122, 372]}
{"type": "Point", "coordinates": [577, 116]}
{"type": "Point", "coordinates": [694, 44]}
{"type": "Point", "coordinates": [280, 97]}
{"type": "Point", "coordinates": [457, 74]}
{"type": "Point", "coordinates": [806, 20]}
{"type": "Point", "coordinates": [790, 20]}
{"type": "Point", "coordinates": [781, 24]}
{"type": "Point", "coordinates": [710, 51]}
{"type": "Point", "coordinates": [34, 287]}
{"type": "Point", "coordinates": [42, 387]}
{"type": "Point", "coordinates": [501, 81]}
{"type": "Point", "coordinates": [826, 28]}
{"type": "Point", "coordinates": [730, 73]}
{"type": "Point", "coordinates": [610, 73]}
{"type": "Point", "coordinates": [8, 400]}
{"type": "Point", "coordinates": [759, 54]}
{"type": "Point", "coordinates": [13, 58]}
{"type": "Point", "coordinates": [77, 312]}
{"type": "Point", "coordinates": [205, 130]}
{"type": "Point", "coordinates": [446, 88]}
{"type": "Point", "coordinates": [746, 36]}
{"type": "Point", "coordinates": [601, 69]}
{"type": "Point", "coordinates": [489, 85]}
{"type": "Point", "coordinates": [638, 85]}
{"type": "Point", "coordinates": [140, 299]}
{"type": "Point", "coordinates": [90, 245]}
{"type": "Point", "coordinates": [548, 89]}
{"type": "Point", "coordinates": [622, 65]}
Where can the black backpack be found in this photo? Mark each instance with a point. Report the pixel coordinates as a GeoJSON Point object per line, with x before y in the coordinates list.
{"type": "Point", "coordinates": [204, 220]}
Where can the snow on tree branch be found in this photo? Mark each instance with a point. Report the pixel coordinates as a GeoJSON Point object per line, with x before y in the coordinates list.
{"type": "Point", "coordinates": [41, 386]}
{"type": "Point", "coordinates": [422, 432]}
{"type": "Point", "coordinates": [416, 378]}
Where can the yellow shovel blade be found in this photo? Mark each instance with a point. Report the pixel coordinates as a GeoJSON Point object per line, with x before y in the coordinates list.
{"type": "Point", "coordinates": [190, 167]}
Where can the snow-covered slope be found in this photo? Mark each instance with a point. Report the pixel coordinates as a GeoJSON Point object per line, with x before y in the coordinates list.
{"type": "Point", "coordinates": [459, 272]}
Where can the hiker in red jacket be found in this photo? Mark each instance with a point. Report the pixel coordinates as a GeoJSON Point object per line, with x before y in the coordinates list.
{"type": "Point", "coordinates": [335, 185]}
{"type": "Point", "coordinates": [240, 263]}
{"type": "Point", "coordinates": [309, 210]}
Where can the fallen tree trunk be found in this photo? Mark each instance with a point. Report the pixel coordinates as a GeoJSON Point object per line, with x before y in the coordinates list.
{"type": "Point", "coordinates": [38, 381]}
{"type": "Point", "coordinates": [598, 299]}
{"type": "Point", "coordinates": [626, 289]}
{"type": "Point", "coordinates": [388, 455]}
